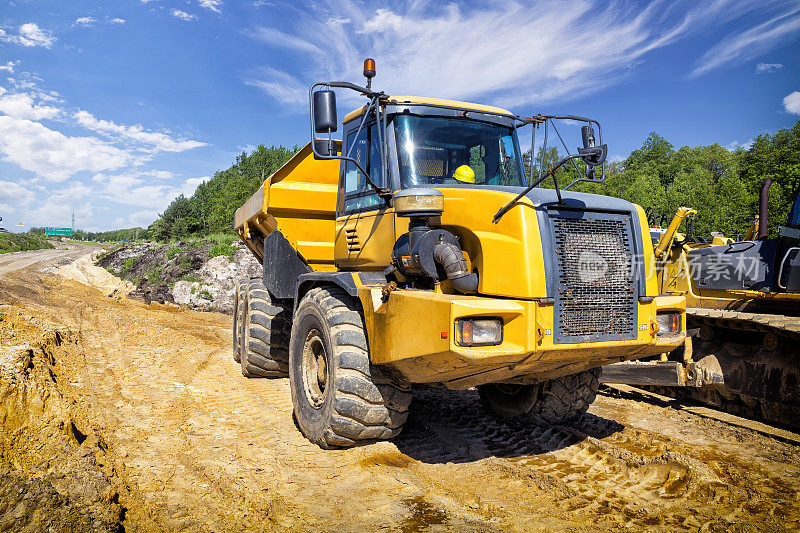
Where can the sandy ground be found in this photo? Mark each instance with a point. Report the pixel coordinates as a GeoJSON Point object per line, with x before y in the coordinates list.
{"type": "Point", "coordinates": [119, 413]}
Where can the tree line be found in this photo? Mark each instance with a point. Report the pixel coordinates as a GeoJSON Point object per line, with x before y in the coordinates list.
{"type": "Point", "coordinates": [722, 185]}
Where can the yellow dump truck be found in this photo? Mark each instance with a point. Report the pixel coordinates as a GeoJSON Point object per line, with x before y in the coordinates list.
{"type": "Point", "coordinates": [417, 250]}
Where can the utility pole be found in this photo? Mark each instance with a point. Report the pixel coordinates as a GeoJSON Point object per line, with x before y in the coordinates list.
{"type": "Point", "coordinates": [73, 222]}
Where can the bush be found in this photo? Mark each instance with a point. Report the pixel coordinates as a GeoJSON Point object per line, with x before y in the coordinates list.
{"type": "Point", "coordinates": [21, 242]}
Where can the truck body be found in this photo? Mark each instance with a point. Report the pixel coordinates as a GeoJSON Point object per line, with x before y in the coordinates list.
{"type": "Point", "coordinates": [561, 284]}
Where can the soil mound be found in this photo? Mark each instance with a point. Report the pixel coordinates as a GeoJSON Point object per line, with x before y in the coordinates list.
{"type": "Point", "coordinates": [199, 274]}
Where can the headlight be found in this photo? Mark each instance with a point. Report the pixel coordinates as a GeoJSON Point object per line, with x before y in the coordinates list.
{"type": "Point", "coordinates": [479, 331]}
{"type": "Point", "coordinates": [669, 323]}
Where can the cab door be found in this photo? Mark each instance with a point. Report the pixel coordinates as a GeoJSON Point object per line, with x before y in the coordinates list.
{"type": "Point", "coordinates": [364, 224]}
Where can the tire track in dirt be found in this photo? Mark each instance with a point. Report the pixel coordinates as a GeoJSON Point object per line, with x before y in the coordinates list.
{"type": "Point", "coordinates": [197, 446]}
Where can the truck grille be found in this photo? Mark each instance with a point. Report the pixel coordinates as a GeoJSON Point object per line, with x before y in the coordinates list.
{"type": "Point", "coordinates": [595, 297]}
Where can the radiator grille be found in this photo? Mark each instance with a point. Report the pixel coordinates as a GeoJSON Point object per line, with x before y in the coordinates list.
{"type": "Point", "coordinates": [595, 293]}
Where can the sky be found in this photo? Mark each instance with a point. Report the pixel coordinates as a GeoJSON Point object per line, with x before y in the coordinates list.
{"type": "Point", "coordinates": [109, 110]}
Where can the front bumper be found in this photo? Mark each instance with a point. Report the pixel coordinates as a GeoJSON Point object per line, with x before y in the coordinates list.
{"type": "Point", "coordinates": [414, 332]}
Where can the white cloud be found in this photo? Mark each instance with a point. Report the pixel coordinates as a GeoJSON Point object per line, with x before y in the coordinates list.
{"type": "Point", "coordinates": [142, 219]}
{"type": "Point", "coordinates": [53, 155]}
{"type": "Point", "coordinates": [505, 53]}
{"type": "Point", "coordinates": [383, 20]}
{"type": "Point", "coordinates": [15, 194]}
{"type": "Point", "coordinates": [767, 68]}
{"type": "Point", "coordinates": [791, 103]}
{"type": "Point", "coordinates": [117, 21]}
{"type": "Point", "coordinates": [30, 34]}
{"type": "Point", "coordinates": [160, 142]}
{"type": "Point", "coordinates": [57, 207]}
{"type": "Point", "coordinates": [135, 189]}
{"type": "Point", "coordinates": [21, 105]}
{"type": "Point", "coordinates": [338, 21]}
{"type": "Point", "coordinates": [283, 40]}
{"type": "Point", "coordinates": [9, 66]}
{"type": "Point", "coordinates": [182, 15]}
{"type": "Point", "coordinates": [753, 41]}
{"type": "Point", "coordinates": [733, 145]}
{"type": "Point", "coordinates": [211, 5]}
{"type": "Point", "coordinates": [84, 21]}
{"type": "Point", "coordinates": [282, 86]}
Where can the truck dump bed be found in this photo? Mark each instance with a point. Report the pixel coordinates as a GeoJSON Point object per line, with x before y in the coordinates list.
{"type": "Point", "coordinates": [299, 199]}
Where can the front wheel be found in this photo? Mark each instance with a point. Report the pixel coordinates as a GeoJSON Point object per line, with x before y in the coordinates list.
{"type": "Point", "coordinates": [339, 398]}
{"type": "Point", "coordinates": [555, 401]}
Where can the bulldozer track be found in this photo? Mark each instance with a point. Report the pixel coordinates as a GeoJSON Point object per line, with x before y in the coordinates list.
{"type": "Point", "coordinates": [193, 445]}
{"type": "Point", "coordinates": [760, 360]}
{"type": "Point", "coordinates": [788, 326]}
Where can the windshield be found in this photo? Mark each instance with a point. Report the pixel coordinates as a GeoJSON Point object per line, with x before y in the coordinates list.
{"type": "Point", "coordinates": [440, 150]}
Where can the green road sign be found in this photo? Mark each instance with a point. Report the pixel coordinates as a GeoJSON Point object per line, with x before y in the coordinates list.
{"type": "Point", "coordinates": [59, 232]}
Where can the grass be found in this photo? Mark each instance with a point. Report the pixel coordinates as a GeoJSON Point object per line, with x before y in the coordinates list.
{"type": "Point", "coordinates": [173, 251]}
{"type": "Point", "coordinates": [20, 242]}
{"type": "Point", "coordinates": [126, 267]}
{"type": "Point", "coordinates": [205, 294]}
{"type": "Point", "coordinates": [153, 275]}
{"type": "Point", "coordinates": [221, 248]}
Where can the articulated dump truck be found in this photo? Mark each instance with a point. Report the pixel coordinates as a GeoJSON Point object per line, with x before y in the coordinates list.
{"type": "Point", "coordinates": [417, 251]}
{"type": "Point", "coordinates": [743, 317]}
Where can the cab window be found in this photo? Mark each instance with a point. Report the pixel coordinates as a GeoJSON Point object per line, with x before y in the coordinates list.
{"type": "Point", "coordinates": [364, 148]}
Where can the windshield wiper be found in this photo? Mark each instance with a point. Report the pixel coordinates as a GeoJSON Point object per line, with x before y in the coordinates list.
{"type": "Point", "coordinates": [552, 172]}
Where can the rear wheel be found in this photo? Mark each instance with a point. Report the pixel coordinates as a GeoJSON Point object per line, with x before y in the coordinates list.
{"type": "Point", "coordinates": [554, 401]}
{"type": "Point", "coordinates": [339, 397]}
{"type": "Point", "coordinates": [264, 329]}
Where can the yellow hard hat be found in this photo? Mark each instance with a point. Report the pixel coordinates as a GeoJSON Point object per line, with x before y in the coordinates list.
{"type": "Point", "coordinates": [464, 174]}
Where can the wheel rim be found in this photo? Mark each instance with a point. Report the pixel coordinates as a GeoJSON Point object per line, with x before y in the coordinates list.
{"type": "Point", "coordinates": [315, 369]}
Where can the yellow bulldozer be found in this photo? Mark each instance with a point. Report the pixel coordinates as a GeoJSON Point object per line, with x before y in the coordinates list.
{"type": "Point", "coordinates": [417, 250]}
{"type": "Point", "coordinates": [743, 318]}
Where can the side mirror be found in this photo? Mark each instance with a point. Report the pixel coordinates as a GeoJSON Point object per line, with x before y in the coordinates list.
{"type": "Point", "coordinates": [325, 119]}
{"type": "Point", "coordinates": [591, 154]}
{"type": "Point", "coordinates": [325, 147]}
{"type": "Point", "coordinates": [587, 132]}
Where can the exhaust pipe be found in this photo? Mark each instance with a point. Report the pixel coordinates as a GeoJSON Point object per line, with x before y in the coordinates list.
{"type": "Point", "coordinates": [763, 208]}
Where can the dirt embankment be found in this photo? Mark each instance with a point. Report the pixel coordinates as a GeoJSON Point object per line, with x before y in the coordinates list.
{"type": "Point", "coordinates": [51, 476]}
{"type": "Point", "coordinates": [197, 274]}
{"type": "Point", "coordinates": [189, 444]}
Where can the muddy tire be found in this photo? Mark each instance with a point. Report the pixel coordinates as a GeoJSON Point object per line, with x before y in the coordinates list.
{"type": "Point", "coordinates": [238, 307]}
{"type": "Point", "coordinates": [555, 401]}
{"type": "Point", "coordinates": [264, 329]}
{"type": "Point", "coordinates": [339, 397]}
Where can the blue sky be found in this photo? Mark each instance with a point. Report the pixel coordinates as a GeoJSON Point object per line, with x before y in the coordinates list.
{"type": "Point", "coordinates": [111, 109]}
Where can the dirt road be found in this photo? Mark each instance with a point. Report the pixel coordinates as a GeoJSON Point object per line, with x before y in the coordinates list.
{"type": "Point", "coordinates": [137, 415]}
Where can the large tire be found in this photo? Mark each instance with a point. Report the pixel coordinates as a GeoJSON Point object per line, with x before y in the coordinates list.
{"type": "Point", "coordinates": [339, 397]}
{"type": "Point", "coordinates": [264, 333]}
{"type": "Point", "coordinates": [555, 401]}
{"type": "Point", "coordinates": [238, 308]}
